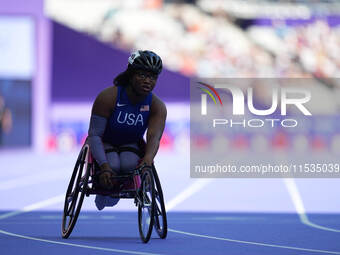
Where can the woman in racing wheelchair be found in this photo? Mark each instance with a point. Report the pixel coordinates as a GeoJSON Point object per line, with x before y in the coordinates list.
{"type": "Point", "coordinates": [120, 116]}
{"type": "Point", "coordinates": [115, 153]}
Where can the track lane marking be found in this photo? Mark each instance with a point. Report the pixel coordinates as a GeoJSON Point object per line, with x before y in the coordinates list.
{"type": "Point", "coordinates": [76, 245]}
{"type": "Point", "coordinates": [30, 180]}
{"type": "Point", "coordinates": [55, 200]}
{"type": "Point", "coordinates": [50, 201]}
{"type": "Point", "coordinates": [294, 194]}
{"type": "Point", "coordinates": [180, 198]}
{"type": "Point", "coordinates": [187, 192]}
{"type": "Point", "coordinates": [253, 243]}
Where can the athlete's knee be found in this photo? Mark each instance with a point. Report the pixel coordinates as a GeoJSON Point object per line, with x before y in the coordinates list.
{"type": "Point", "coordinates": [128, 161]}
{"type": "Point", "coordinates": [114, 165]}
{"type": "Point", "coordinates": [112, 157]}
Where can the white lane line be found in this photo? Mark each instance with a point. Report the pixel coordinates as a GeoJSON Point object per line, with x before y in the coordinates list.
{"type": "Point", "coordinates": [59, 198]}
{"type": "Point", "coordinates": [298, 203]}
{"type": "Point", "coordinates": [295, 195]}
{"type": "Point", "coordinates": [33, 179]}
{"type": "Point", "coordinates": [76, 245]}
{"type": "Point", "coordinates": [35, 206]}
{"type": "Point", "coordinates": [253, 243]}
{"type": "Point", "coordinates": [186, 193]}
{"type": "Point", "coordinates": [51, 201]}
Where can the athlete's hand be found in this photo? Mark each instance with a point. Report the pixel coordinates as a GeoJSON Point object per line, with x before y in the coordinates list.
{"type": "Point", "coordinates": [105, 180]}
{"type": "Point", "coordinates": [145, 161]}
{"type": "Point", "coordinates": [105, 177]}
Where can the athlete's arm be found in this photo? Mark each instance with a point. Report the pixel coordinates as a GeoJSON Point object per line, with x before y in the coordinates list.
{"type": "Point", "coordinates": [155, 130]}
{"type": "Point", "coordinates": [101, 111]}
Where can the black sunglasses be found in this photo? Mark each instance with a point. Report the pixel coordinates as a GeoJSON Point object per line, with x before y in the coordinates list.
{"type": "Point", "coordinates": [144, 75]}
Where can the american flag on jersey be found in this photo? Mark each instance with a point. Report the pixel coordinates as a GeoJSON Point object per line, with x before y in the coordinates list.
{"type": "Point", "coordinates": [144, 108]}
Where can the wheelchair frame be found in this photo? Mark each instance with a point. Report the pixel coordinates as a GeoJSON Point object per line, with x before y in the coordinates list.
{"type": "Point", "coordinates": [147, 194]}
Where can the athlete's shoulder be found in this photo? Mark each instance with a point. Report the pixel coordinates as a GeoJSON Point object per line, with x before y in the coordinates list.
{"type": "Point", "coordinates": [105, 102]}
{"type": "Point", "coordinates": [107, 93]}
{"type": "Point", "coordinates": [157, 105]}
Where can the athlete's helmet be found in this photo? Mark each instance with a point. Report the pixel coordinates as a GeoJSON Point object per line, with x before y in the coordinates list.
{"type": "Point", "coordinates": [146, 60]}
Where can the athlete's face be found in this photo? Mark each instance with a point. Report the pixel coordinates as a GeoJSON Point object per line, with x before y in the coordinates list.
{"type": "Point", "coordinates": [143, 82]}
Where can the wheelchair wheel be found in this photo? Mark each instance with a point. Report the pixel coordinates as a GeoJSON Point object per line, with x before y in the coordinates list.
{"type": "Point", "coordinates": [146, 205]}
{"type": "Point", "coordinates": [160, 224]}
{"type": "Point", "coordinates": [75, 192]}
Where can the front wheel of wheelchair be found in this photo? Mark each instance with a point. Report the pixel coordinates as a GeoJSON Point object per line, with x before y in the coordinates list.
{"type": "Point", "coordinates": [160, 224]}
{"type": "Point", "coordinates": [75, 192]}
{"type": "Point", "coordinates": [146, 205]}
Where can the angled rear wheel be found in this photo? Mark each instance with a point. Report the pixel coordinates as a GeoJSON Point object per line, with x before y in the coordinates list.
{"type": "Point", "coordinates": [160, 224]}
{"type": "Point", "coordinates": [75, 192]}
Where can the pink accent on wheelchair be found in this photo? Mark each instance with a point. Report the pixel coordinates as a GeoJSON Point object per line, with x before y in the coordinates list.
{"type": "Point", "coordinates": [137, 181]}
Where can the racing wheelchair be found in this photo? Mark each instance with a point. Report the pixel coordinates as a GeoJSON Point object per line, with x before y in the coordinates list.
{"type": "Point", "coordinates": [141, 184]}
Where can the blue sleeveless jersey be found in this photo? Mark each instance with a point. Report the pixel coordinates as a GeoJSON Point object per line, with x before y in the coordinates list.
{"type": "Point", "coordinates": [128, 122]}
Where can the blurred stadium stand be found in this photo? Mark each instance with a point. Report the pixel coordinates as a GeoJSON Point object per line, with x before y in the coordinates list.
{"type": "Point", "coordinates": [238, 39]}
{"type": "Point", "coordinates": [82, 66]}
{"type": "Point", "coordinates": [201, 39]}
